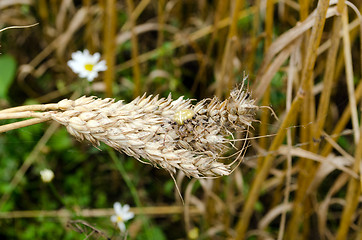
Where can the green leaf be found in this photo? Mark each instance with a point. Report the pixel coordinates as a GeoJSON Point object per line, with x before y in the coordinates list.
{"type": "Point", "coordinates": [7, 74]}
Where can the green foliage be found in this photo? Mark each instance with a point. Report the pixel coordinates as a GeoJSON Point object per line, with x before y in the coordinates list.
{"type": "Point", "coordinates": [346, 144]}
{"type": "Point", "coordinates": [155, 233]}
{"type": "Point", "coordinates": [41, 228]}
{"type": "Point", "coordinates": [7, 74]}
{"type": "Point", "coordinates": [277, 95]}
{"type": "Point", "coordinates": [165, 50]}
{"type": "Point", "coordinates": [259, 207]}
{"type": "Point", "coordinates": [60, 141]}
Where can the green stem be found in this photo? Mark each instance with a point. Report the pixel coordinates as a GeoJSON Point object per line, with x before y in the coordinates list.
{"type": "Point", "coordinates": [57, 195]}
{"type": "Point", "coordinates": [132, 188]}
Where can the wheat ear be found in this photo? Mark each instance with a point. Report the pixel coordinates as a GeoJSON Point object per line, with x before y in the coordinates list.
{"type": "Point", "coordinates": [171, 134]}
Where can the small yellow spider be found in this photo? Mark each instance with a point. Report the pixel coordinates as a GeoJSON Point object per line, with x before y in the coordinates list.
{"type": "Point", "coordinates": [183, 115]}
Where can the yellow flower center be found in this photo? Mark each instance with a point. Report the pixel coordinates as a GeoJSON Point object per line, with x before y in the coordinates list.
{"type": "Point", "coordinates": [89, 67]}
{"type": "Point", "coordinates": [119, 219]}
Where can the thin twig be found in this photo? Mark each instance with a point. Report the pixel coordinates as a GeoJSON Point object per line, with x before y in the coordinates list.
{"type": "Point", "coordinates": [14, 27]}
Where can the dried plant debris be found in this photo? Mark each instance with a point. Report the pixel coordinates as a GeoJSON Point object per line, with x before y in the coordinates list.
{"type": "Point", "coordinates": [171, 134]}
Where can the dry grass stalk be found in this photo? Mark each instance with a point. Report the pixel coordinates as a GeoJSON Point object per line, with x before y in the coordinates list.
{"type": "Point", "coordinates": [99, 212]}
{"type": "Point", "coordinates": [171, 134]}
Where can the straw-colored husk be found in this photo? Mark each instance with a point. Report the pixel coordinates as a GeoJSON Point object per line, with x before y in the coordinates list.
{"type": "Point", "coordinates": [171, 134]}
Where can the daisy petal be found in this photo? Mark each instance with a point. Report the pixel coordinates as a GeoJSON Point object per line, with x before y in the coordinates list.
{"type": "Point", "coordinates": [114, 218]}
{"type": "Point", "coordinates": [77, 55]}
{"type": "Point", "coordinates": [92, 76]}
{"type": "Point", "coordinates": [96, 57]}
{"type": "Point", "coordinates": [121, 226]}
{"type": "Point", "coordinates": [128, 216]}
{"type": "Point", "coordinates": [101, 66]}
{"type": "Point", "coordinates": [125, 208]}
{"type": "Point", "coordinates": [86, 53]}
{"type": "Point", "coordinates": [117, 207]}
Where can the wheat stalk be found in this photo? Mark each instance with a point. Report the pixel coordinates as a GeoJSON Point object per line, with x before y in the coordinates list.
{"type": "Point", "coordinates": [171, 134]}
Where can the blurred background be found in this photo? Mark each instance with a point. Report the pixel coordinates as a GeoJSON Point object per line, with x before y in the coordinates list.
{"type": "Point", "coordinates": [300, 178]}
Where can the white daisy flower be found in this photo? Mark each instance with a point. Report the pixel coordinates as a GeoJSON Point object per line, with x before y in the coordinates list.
{"type": "Point", "coordinates": [86, 65]}
{"type": "Point", "coordinates": [122, 215]}
{"type": "Point", "coordinates": [46, 175]}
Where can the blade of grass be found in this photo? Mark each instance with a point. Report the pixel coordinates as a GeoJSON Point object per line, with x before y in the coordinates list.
{"type": "Point", "coordinates": [135, 14]}
{"type": "Point", "coordinates": [134, 41]}
{"type": "Point", "coordinates": [253, 195]}
{"type": "Point", "coordinates": [349, 74]}
{"type": "Point", "coordinates": [353, 36]}
{"type": "Point", "coordinates": [161, 25]}
{"type": "Point", "coordinates": [292, 73]}
{"type": "Point", "coordinates": [307, 116]}
{"type": "Point", "coordinates": [255, 32]}
{"type": "Point", "coordinates": [109, 36]}
{"type": "Point", "coordinates": [304, 9]}
{"type": "Point", "coordinates": [201, 76]}
{"type": "Point", "coordinates": [352, 196]}
{"type": "Point", "coordinates": [279, 45]}
{"type": "Point", "coordinates": [272, 69]}
{"type": "Point", "coordinates": [92, 213]}
{"type": "Point", "coordinates": [314, 41]}
{"type": "Point", "coordinates": [192, 37]}
{"type": "Point", "coordinates": [306, 79]}
{"type": "Point", "coordinates": [229, 54]}
{"type": "Point", "coordinates": [343, 120]}
{"type": "Point", "coordinates": [324, 101]}
{"type": "Point", "coordinates": [264, 118]}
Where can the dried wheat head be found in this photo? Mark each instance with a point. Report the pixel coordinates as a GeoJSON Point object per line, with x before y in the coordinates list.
{"type": "Point", "coordinates": [171, 134]}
